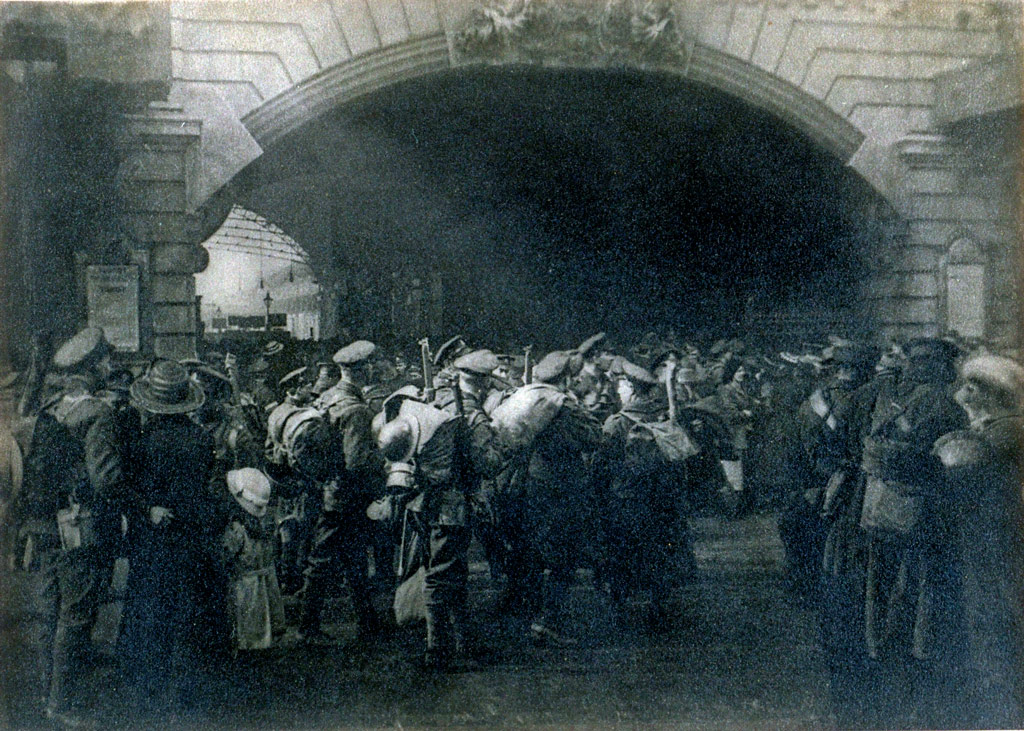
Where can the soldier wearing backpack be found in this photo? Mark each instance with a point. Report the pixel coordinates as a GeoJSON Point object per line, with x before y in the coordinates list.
{"type": "Point", "coordinates": [77, 474]}
{"type": "Point", "coordinates": [554, 524]}
{"type": "Point", "coordinates": [342, 533]}
{"type": "Point", "coordinates": [301, 454]}
{"type": "Point", "coordinates": [643, 514]}
{"type": "Point", "coordinates": [437, 460]}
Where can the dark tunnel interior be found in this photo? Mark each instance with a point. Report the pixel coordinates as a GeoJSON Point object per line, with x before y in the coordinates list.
{"type": "Point", "coordinates": [560, 202]}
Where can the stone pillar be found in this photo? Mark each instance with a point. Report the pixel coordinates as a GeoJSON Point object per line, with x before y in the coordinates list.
{"type": "Point", "coordinates": [159, 181]}
{"type": "Point", "coordinates": [953, 201]}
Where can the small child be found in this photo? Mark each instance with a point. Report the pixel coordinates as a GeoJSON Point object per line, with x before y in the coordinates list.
{"type": "Point", "coordinates": [254, 597]}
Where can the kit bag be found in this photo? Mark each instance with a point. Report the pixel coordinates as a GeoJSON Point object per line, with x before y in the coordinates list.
{"type": "Point", "coordinates": [658, 443]}
{"type": "Point", "coordinates": [526, 413]}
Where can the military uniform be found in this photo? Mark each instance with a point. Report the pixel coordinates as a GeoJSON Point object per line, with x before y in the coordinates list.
{"type": "Point", "coordinates": [844, 564]}
{"type": "Point", "coordinates": [910, 574]}
{"type": "Point", "coordinates": [300, 454]}
{"type": "Point", "coordinates": [552, 489]}
{"type": "Point", "coordinates": [342, 532]}
{"type": "Point", "coordinates": [642, 515]}
{"type": "Point", "coordinates": [824, 420]}
{"type": "Point", "coordinates": [98, 455]}
{"type": "Point", "coordinates": [480, 458]}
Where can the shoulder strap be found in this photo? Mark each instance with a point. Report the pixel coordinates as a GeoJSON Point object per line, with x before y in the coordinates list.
{"type": "Point", "coordinates": [65, 409]}
{"type": "Point", "coordinates": [636, 420]}
{"type": "Point", "coordinates": [896, 410]}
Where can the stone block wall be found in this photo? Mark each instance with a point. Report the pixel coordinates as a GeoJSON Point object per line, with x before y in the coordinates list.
{"type": "Point", "coordinates": [159, 174]}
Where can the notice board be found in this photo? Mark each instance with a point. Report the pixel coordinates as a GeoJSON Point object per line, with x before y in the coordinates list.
{"type": "Point", "coordinates": [113, 296]}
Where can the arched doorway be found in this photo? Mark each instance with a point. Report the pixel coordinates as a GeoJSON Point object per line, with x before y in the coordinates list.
{"type": "Point", "coordinates": [258, 279]}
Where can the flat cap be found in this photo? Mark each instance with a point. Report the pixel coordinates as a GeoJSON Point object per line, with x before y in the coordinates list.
{"type": "Point", "coordinates": [452, 348]}
{"type": "Point", "coordinates": [998, 373]}
{"type": "Point", "coordinates": [849, 353]}
{"type": "Point", "coordinates": [552, 366]}
{"type": "Point", "coordinates": [292, 377]}
{"type": "Point", "coordinates": [937, 347]}
{"type": "Point", "coordinates": [480, 362]}
{"type": "Point", "coordinates": [587, 345]}
{"type": "Point", "coordinates": [355, 353]}
{"type": "Point", "coordinates": [80, 348]}
{"type": "Point", "coordinates": [637, 374]}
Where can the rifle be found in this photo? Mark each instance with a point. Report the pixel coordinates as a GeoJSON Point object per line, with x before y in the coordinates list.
{"type": "Point", "coordinates": [231, 364]}
{"type": "Point", "coordinates": [460, 408]}
{"type": "Point", "coordinates": [36, 379]}
{"type": "Point", "coordinates": [428, 376]}
{"type": "Point", "coordinates": [528, 364]}
{"type": "Point", "coordinates": [670, 388]}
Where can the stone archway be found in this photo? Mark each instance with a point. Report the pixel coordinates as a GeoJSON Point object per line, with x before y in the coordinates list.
{"type": "Point", "coordinates": [317, 173]}
{"type": "Point", "coordinates": [859, 79]}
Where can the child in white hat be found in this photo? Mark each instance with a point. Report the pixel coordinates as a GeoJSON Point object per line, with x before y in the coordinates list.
{"type": "Point", "coordinates": [254, 596]}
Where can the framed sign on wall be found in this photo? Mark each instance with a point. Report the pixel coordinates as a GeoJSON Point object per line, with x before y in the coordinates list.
{"type": "Point", "coordinates": [113, 300]}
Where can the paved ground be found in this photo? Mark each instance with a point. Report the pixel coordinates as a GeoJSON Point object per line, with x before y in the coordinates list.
{"type": "Point", "coordinates": [737, 654]}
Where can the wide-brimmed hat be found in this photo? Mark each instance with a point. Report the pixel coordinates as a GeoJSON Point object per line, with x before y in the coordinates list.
{"type": "Point", "coordinates": [166, 388]}
{"type": "Point", "coordinates": [272, 348]}
{"type": "Point", "coordinates": [397, 439]}
{"type": "Point", "coordinates": [251, 488]}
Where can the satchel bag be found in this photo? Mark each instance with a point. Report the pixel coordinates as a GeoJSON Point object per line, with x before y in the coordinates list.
{"type": "Point", "coordinates": [410, 603]}
{"type": "Point", "coordinates": [891, 507]}
{"type": "Point", "coordinates": [76, 527]}
{"type": "Point", "coordinates": [253, 626]}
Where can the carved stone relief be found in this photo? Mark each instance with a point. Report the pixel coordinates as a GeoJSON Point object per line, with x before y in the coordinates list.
{"type": "Point", "coordinates": [574, 31]}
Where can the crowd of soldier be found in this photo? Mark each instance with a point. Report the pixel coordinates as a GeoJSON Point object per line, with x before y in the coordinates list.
{"type": "Point", "coordinates": [230, 487]}
{"type": "Point", "coordinates": [903, 528]}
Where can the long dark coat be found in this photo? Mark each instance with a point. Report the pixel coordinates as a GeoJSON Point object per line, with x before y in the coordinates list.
{"type": "Point", "coordinates": [175, 620]}
{"type": "Point", "coordinates": [984, 485]}
{"type": "Point", "coordinates": [910, 586]}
